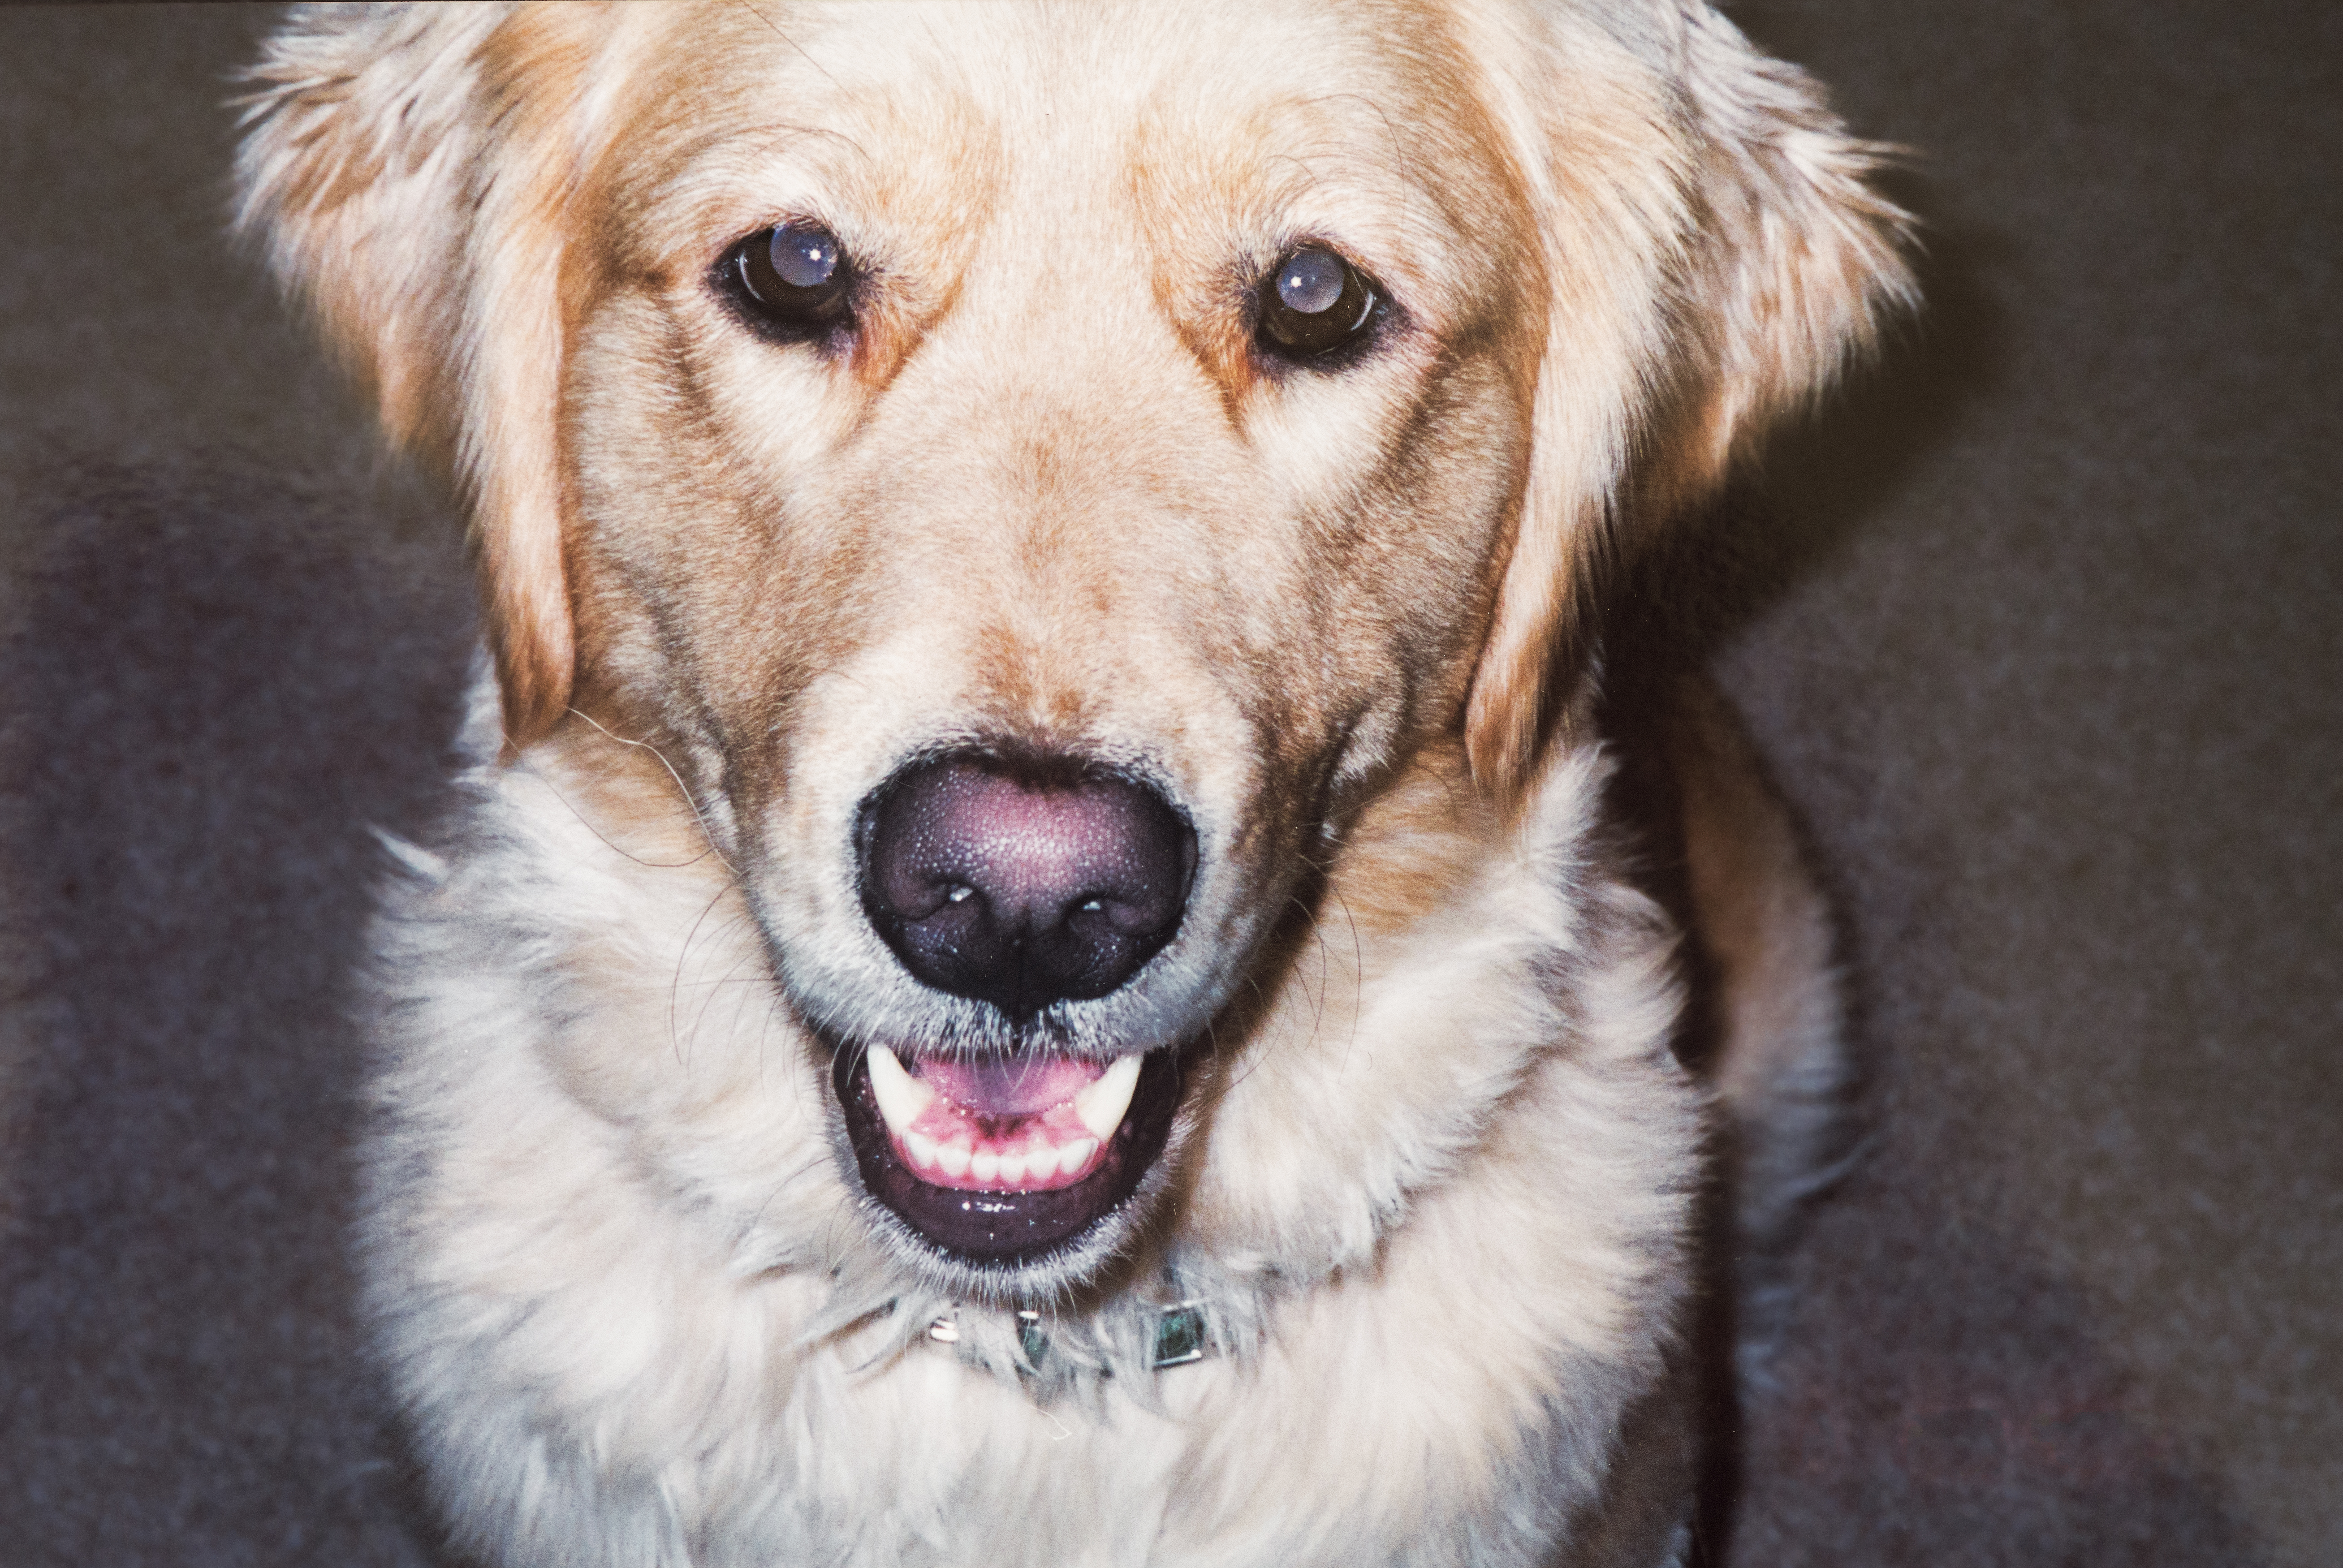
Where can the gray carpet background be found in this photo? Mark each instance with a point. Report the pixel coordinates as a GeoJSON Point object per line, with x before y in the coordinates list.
{"type": "Point", "coordinates": [2040, 626]}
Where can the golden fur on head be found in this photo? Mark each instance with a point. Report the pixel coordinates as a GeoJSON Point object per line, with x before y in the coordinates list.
{"type": "Point", "coordinates": [1051, 492]}
{"type": "Point", "coordinates": [1701, 249]}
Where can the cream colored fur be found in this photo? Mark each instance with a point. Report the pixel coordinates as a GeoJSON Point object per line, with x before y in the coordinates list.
{"type": "Point", "coordinates": [1434, 1175]}
{"type": "Point", "coordinates": [615, 1260]}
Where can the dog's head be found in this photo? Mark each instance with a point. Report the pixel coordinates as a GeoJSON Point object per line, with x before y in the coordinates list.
{"type": "Point", "coordinates": [1037, 473]}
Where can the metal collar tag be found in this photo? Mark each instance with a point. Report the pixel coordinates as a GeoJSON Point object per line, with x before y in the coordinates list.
{"type": "Point", "coordinates": [1182, 1335]}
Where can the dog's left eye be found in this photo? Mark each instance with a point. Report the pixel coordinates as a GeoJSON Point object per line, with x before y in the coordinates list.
{"type": "Point", "coordinates": [1314, 303]}
{"type": "Point", "coordinates": [796, 277]}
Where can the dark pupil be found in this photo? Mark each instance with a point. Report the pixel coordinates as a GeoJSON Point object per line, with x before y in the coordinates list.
{"type": "Point", "coordinates": [1312, 282]}
{"type": "Point", "coordinates": [804, 258]}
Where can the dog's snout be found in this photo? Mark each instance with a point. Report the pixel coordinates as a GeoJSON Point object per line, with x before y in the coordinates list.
{"type": "Point", "coordinates": [1023, 883]}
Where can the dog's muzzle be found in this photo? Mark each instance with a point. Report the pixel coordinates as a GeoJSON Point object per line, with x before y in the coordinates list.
{"type": "Point", "coordinates": [1021, 882]}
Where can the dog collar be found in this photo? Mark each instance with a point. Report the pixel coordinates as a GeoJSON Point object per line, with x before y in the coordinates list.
{"type": "Point", "coordinates": [1182, 1335]}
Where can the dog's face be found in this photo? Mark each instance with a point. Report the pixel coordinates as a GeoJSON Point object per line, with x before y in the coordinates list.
{"type": "Point", "coordinates": [1037, 475]}
{"type": "Point", "coordinates": [1022, 602]}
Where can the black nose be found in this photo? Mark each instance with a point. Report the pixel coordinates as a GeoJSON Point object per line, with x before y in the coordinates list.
{"type": "Point", "coordinates": [1023, 883]}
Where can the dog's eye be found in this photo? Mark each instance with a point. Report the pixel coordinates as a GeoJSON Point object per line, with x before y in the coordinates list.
{"type": "Point", "coordinates": [1315, 301]}
{"type": "Point", "coordinates": [793, 276]}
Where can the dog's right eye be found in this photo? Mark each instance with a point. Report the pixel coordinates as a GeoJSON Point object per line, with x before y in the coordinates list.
{"type": "Point", "coordinates": [796, 277]}
{"type": "Point", "coordinates": [1313, 304]}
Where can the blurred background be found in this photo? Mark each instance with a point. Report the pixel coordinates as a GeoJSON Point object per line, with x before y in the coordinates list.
{"type": "Point", "coordinates": [2040, 625]}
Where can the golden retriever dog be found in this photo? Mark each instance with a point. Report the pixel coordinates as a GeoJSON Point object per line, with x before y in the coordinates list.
{"type": "Point", "coordinates": [1037, 960]}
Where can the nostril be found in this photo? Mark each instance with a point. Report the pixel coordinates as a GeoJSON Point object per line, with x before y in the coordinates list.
{"type": "Point", "coordinates": [1023, 882]}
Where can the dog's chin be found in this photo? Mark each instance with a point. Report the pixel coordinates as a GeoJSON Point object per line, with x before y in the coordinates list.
{"type": "Point", "coordinates": [1008, 1194]}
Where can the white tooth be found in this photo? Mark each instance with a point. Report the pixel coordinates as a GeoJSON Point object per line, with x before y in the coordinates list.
{"type": "Point", "coordinates": [1013, 1169]}
{"type": "Point", "coordinates": [922, 1147]}
{"type": "Point", "coordinates": [1040, 1163]}
{"type": "Point", "coordinates": [1077, 1154]}
{"type": "Point", "coordinates": [1101, 1105]}
{"type": "Point", "coordinates": [985, 1166]}
{"type": "Point", "coordinates": [953, 1158]}
{"type": "Point", "coordinates": [901, 1096]}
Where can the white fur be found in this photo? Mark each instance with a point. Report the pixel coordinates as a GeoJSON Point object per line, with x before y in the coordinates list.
{"type": "Point", "coordinates": [625, 1285]}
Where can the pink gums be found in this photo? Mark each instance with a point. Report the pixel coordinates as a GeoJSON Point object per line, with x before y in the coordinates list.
{"type": "Point", "coordinates": [1019, 1114]}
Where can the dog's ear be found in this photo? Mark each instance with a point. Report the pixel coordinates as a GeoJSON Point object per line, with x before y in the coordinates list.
{"type": "Point", "coordinates": [1714, 254]}
{"type": "Point", "coordinates": [407, 170]}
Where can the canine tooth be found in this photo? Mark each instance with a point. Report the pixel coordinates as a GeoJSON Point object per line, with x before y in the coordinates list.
{"type": "Point", "coordinates": [922, 1147]}
{"type": "Point", "coordinates": [1101, 1105]}
{"type": "Point", "coordinates": [953, 1158]}
{"type": "Point", "coordinates": [985, 1166]}
{"type": "Point", "coordinates": [1013, 1168]}
{"type": "Point", "coordinates": [901, 1096]}
{"type": "Point", "coordinates": [1077, 1154]}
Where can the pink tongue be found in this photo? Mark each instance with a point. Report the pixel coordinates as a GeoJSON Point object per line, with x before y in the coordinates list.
{"type": "Point", "coordinates": [1017, 1087]}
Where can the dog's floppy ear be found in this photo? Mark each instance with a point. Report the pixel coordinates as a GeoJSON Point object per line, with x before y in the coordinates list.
{"type": "Point", "coordinates": [407, 169]}
{"type": "Point", "coordinates": [1715, 256]}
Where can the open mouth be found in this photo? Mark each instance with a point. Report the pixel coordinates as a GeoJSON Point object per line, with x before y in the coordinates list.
{"type": "Point", "coordinates": [1005, 1159]}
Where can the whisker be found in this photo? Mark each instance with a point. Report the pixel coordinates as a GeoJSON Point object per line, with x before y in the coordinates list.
{"type": "Point", "coordinates": [1266, 1012]}
{"type": "Point", "coordinates": [793, 43]}
{"type": "Point", "coordinates": [675, 986]}
{"type": "Point", "coordinates": [1358, 973]}
{"type": "Point", "coordinates": [731, 976]}
{"type": "Point", "coordinates": [584, 821]}
{"type": "Point", "coordinates": [688, 800]}
{"type": "Point", "coordinates": [1317, 934]}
